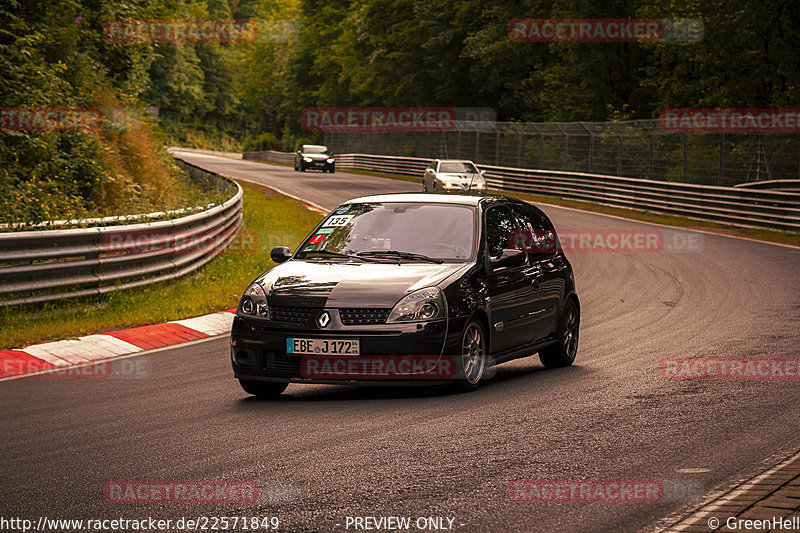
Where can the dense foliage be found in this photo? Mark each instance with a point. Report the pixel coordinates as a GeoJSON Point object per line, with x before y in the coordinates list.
{"type": "Point", "coordinates": [347, 53]}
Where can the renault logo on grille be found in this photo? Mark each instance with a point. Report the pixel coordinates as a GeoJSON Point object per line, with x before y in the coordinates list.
{"type": "Point", "coordinates": [323, 319]}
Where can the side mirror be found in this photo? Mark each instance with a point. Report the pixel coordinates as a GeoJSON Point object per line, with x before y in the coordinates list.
{"type": "Point", "coordinates": [280, 254]}
{"type": "Point", "coordinates": [510, 258]}
{"type": "Point", "coordinates": [482, 172]}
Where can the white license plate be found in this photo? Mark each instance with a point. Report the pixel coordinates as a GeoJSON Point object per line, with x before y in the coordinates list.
{"type": "Point", "coordinates": [295, 346]}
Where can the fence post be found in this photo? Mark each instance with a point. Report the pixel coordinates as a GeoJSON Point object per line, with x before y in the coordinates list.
{"type": "Point", "coordinates": [477, 141]}
{"type": "Point", "coordinates": [619, 149]}
{"type": "Point", "coordinates": [652, 155]}
{"type": "Point", "coordinates": [721, 157]}
{"type": "Point", "coordinates": [685, 154]}
{"type": "Point", "coordinates": [497, 146]}
{"type": "Point", "coordinates": [591, 146]}
{"type": "Point", "coordinates": [519, 149]}
{"type": "Point", "coordinates": [565, 157]}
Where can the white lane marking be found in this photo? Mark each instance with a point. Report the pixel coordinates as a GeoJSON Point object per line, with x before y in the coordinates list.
{"type": "Point", "coordinates": [213, 324]}
{"type": "Point", "coordinates": [693, 470]}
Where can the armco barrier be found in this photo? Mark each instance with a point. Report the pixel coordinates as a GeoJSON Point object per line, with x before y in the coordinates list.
{"type": "Point", "coordinates": [40, 266]}
{"type": "Point", "coordinates": [270, 155]}
{"type": "Point", "coordinates": [736, 206]}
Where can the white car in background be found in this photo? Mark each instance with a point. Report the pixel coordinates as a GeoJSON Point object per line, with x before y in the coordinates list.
{"type": "Point", "coordinates": [453, 175]}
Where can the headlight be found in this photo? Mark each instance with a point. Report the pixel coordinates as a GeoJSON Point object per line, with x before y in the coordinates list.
{"type": "Point", "coordinates": [254, 302]}
{"type": "Point", "coordinates": [307, 159]}
{"type": "Point", "coordinates": [448, 185]}
{"type": "Point", "coordinates": [421, 305]}
{"type": "Point", "coordinates": [330, 160]}
{"type": "Point", "coordinates": [479, 185]}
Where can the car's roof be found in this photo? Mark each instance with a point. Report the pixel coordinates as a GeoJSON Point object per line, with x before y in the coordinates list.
{"type": "Point", "coordinates": [458, 199]}
{"type": "Point", "coordinates": [314, 146]}
{"type": "Point", "coordinates": [455, 161]}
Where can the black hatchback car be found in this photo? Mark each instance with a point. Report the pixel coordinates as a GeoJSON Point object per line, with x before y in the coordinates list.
{"type": "Point", "coordinates": [409, 288]}
{"type": "Point", "coordinates": [314, 156]}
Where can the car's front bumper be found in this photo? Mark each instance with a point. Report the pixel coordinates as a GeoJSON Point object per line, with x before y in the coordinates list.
{"type": "Point", "coordinates": [318, 165]}
{"type": "Point", "coordinates": [389, 353]}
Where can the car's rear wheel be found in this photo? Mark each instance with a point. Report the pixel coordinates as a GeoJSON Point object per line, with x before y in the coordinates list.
{"type": "Point", "coordinates": [562, 352]}
{"type": "Point", "coordinates": [263, 389]}
{"type": "Point", "coordinates": [472, 361]}
{"type": "Point", "coordinates": [302, 167]}
{"type": "Point", "coordinates": [424, 186]}
{"type": "Point", "coordinates": [435, 187]}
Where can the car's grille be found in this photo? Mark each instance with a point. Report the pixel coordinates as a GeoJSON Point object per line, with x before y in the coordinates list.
{"type": "Point", "coordinates": [292, 315]}
{"type": "Point", "coordinates": [356, 316]}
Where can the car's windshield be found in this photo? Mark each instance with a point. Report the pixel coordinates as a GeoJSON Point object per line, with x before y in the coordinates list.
{"type": "Point", "coordinates": [313, 149]}
{"type": "Point", "coordinates": [457, 167]}
{"type": "Point", "coordinates": [438, 231]}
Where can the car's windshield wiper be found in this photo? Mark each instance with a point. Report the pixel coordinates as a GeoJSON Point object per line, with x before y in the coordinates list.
{"type": "Point", "coordinates": [329, 253]}
{"type": "Point", "coordinates": [401, 255]}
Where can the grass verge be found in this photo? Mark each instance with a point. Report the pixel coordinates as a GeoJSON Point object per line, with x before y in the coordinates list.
{"type": "Point", "coordinates": [270, 219]}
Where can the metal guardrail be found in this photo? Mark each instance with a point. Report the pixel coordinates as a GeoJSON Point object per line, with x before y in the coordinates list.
{"type": "Point", "coordinates": [47, 265]}
{"type": "Point", "coordinates": [271, 155]}
{"type": "Point", "coordinates": [782, 185]}
{"type": "Point", "coordinates": [736, 206]}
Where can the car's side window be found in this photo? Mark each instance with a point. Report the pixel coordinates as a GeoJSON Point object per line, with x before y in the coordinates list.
{"type": "Point", "coordinates": [500, 230]}
{"type": "Point", "coordinates": [537, 236]}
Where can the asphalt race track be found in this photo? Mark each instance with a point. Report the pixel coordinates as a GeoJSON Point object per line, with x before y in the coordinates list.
{"type": "Point", "coordinates": [360, 451]}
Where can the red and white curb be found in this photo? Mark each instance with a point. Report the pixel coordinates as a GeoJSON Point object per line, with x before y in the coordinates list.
{"type": "Point", "coordinates": [101, 347]}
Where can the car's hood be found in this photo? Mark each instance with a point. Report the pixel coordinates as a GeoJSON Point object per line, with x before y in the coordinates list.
{"type": "Point", "coordinates": [350, 284]}
{"type": "Point", "coordinates": [316, 157]}
{"type": "Point", "coordinates": [461, 177]}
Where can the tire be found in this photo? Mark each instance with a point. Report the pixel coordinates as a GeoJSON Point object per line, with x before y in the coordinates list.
{"type": "Point", "coordinates": [295, 166]}
{"type": "Point", "coordinates": [268, 390]}
{"type": "Point", "coordinates": [435, 188]}
{"type": "Point", "coordinates": [302, 167]}
{"type": "Point", "coordinates": [471, 362]}
{"type": "Point", "coordinates": [424, 186]}
{"type": "Point", "coordinates": [562, 353]}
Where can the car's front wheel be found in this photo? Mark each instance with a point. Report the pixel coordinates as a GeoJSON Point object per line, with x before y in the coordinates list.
{"type": "Point", "coordinates": [562, 352]}
{"type": "Point", "coordinates": [472, 361]}
{"type": "Point", "coordinates": [263, 389]}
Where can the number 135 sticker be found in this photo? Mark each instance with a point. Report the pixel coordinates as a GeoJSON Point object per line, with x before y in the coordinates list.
{"type": "Point", "coordinates": [338, 220]}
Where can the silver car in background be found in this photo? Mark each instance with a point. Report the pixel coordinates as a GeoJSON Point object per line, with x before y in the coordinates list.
{"type": "Point", "coordinates": [453, 175]}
